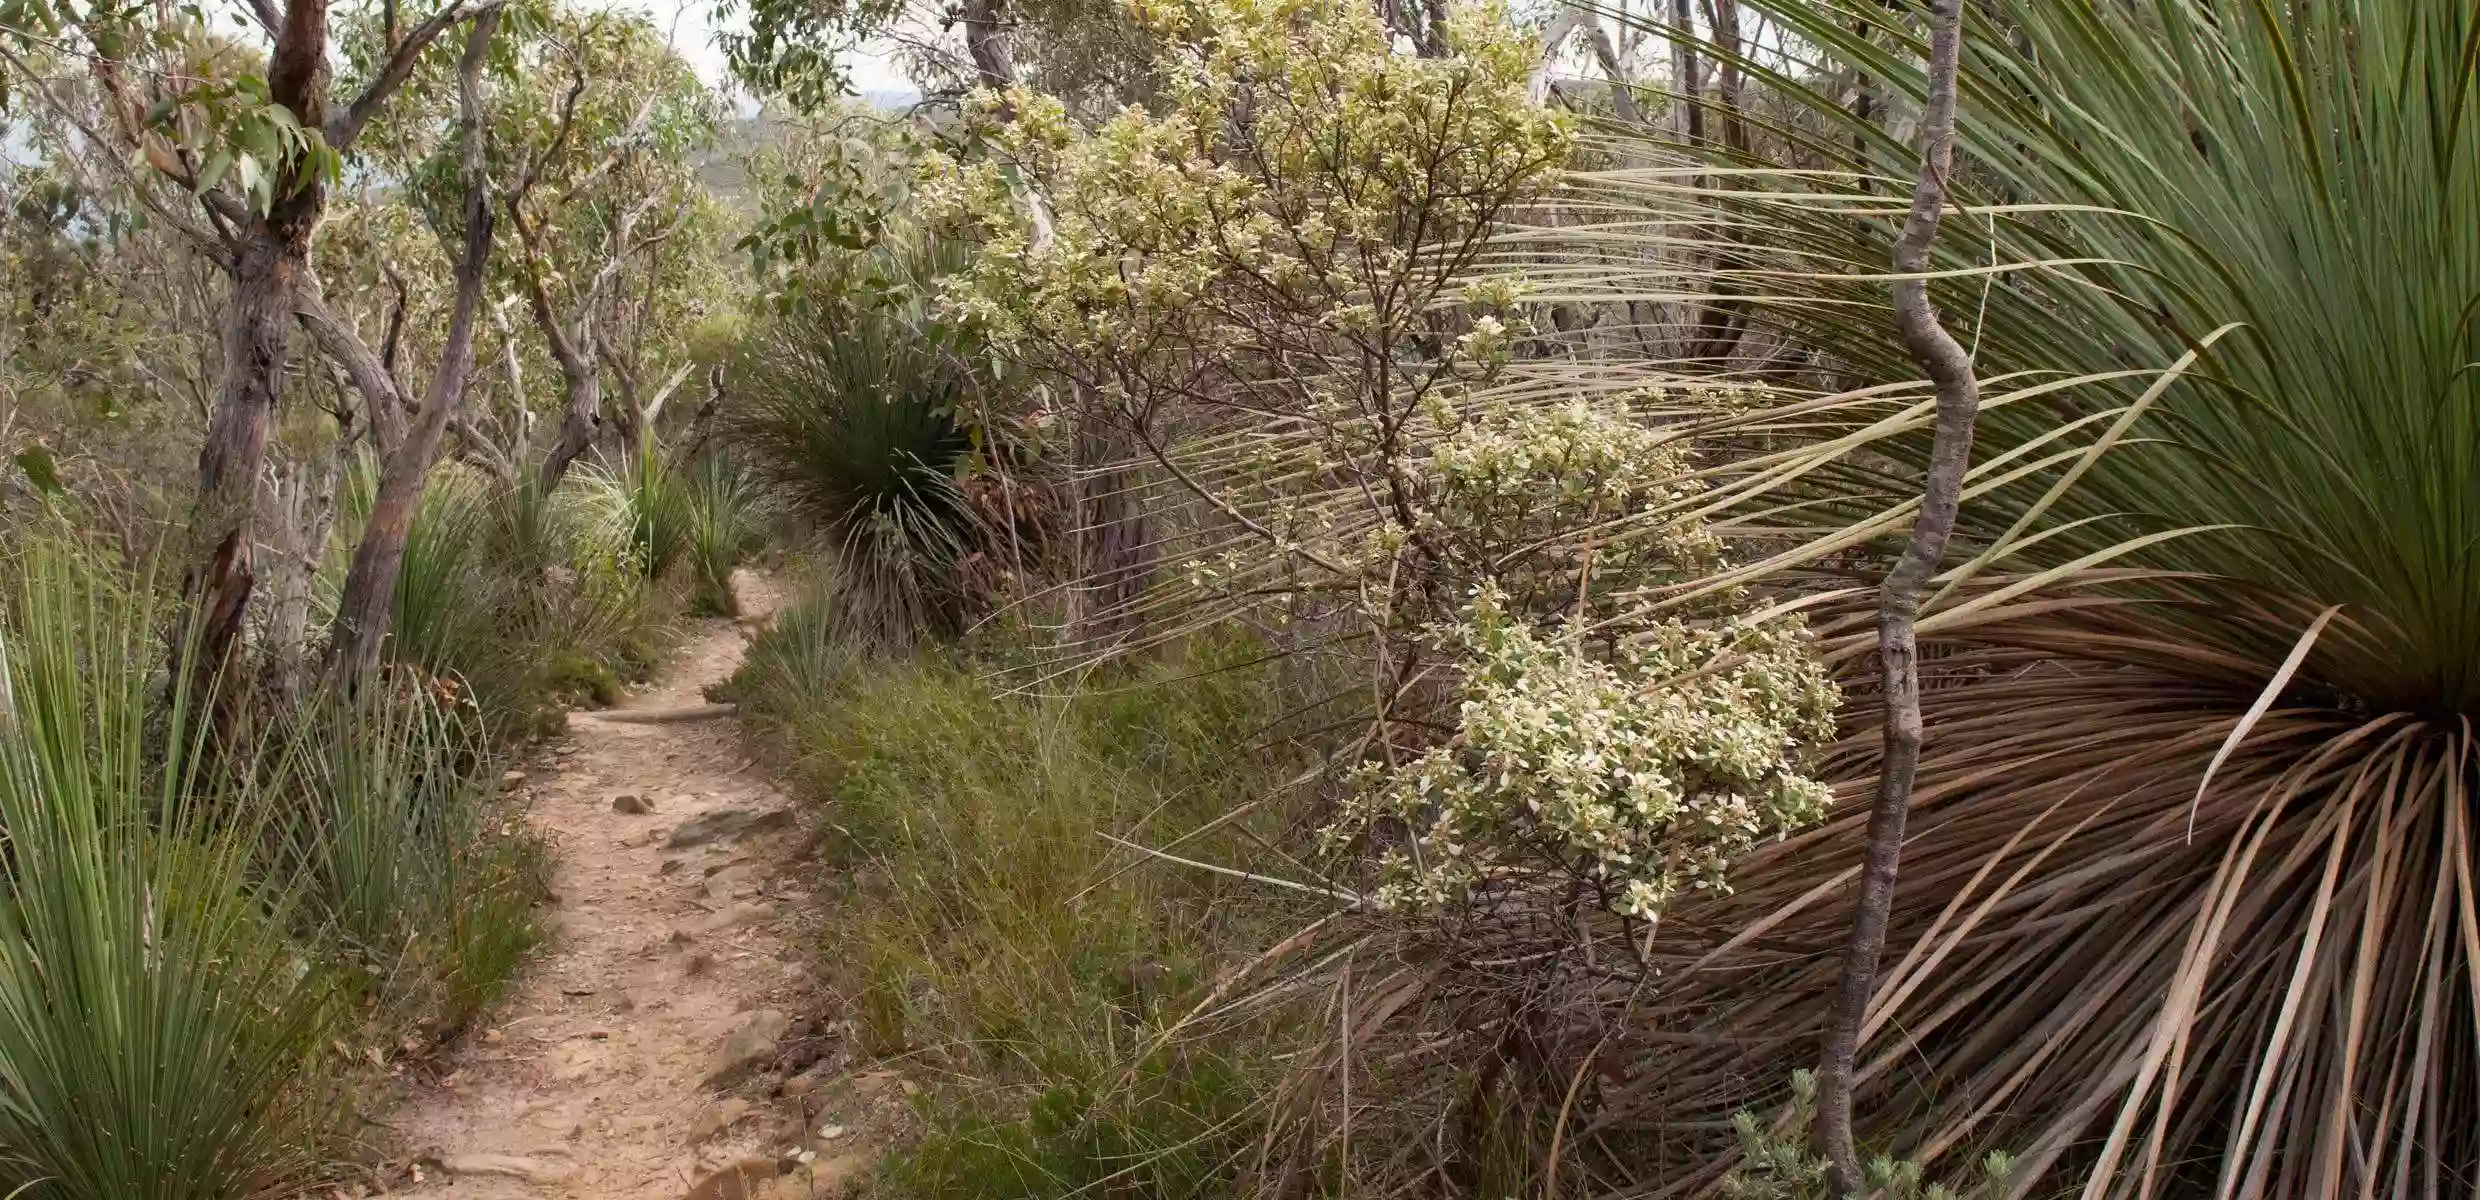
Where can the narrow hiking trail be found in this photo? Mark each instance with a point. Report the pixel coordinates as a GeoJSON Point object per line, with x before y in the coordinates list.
{"type": "Point", "coordinates": [654, 1049]}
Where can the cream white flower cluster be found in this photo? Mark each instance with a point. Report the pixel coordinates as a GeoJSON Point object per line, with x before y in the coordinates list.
{"type": "Point", "coordinates": [1643, 771]}
{"type": "Point", "coordinates": [1531, 488]}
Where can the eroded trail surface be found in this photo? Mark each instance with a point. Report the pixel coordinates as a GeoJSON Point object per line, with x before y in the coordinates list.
{"type": "Point", "coordinates": [646, 1053]}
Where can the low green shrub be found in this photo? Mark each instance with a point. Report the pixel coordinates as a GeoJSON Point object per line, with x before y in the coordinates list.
{"type": "Point", "coordinates": [528, 604]}
{"type": "Point", "coordinates": [1778, 1162]}
{"type": "Point", "coordinates": [728, 513]}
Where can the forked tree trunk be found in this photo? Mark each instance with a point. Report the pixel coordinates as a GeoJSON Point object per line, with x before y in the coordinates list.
{"type": "Point", "coordinates": [258, 338]}
{"type": "Point", "coordinates": [366, 611]}
{"type": "Point", "coordinates": [1958, 403]}
{"type": "Point", "coordinates": [270, 262]}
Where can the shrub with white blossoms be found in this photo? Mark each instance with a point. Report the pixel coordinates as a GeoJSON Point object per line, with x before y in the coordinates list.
{"type": "Point", "coordinates": [1593, 737]}
{"type": "Point", "coordinates": [1528, 499]}
{"type": "Point", "coordinates": [1271, 291]}
{"type": "Point", "coordinates": [1642, 771]}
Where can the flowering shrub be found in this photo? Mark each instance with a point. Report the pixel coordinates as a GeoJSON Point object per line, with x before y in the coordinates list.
{"type": "Point", "coordinates": [1642, 772]}
{"type": "Point", "coordinates": [1302, 196]}
{"type": "Point", "coordinates": [1271, 291]}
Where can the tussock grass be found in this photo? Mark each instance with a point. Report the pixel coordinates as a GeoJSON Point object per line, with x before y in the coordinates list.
{"type": "Point", "coordinates": [410, 867]}
{"type": "Point", "coordinates": [728, 517]}
{"type": "Point", "coordinates": [528, 603]}
{"type": "Point", "coordinates": [857, 420]}
{"type": "Point", "coordinates": [992, 938]}
{"type": "Point", "coordinates": [191, 920]}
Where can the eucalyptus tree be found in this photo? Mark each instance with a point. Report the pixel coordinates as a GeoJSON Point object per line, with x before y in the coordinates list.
{"type": "Point", "coordinates": [255, 133]}
{"type": "Point", "coordinates": [602, 135]}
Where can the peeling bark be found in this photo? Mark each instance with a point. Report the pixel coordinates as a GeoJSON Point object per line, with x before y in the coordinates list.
{"type": "Point", "coordinates": [270, 263]}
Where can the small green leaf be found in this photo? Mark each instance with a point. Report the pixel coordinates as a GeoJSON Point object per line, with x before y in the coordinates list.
{"type": "Point", "coordinates": [214, 172]}
{"type": "Point", "coordinates": [36, 464]}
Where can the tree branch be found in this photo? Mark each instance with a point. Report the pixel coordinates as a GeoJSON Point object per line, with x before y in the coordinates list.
{"type": "Point", "coordinates": [1622, 91]}
{"type": "Point", "coordinates": [531, 172]}
{"type": "Point", "coordinates": [347, 123]}
{"type": "Point", "coordinates": [983, 42]}
{"type": "Point", "coordinates": [1554, 39]}
{"type": "Point", "coordinates": [1958, 403]}
{"type": "Point", "coordinates": [396, 320]}
{"type": "Point", "coordinates": [381, 398]}
{"type": "Point", "coordinates": [480, 451]}
{"type": "Point", "coordinates": [268, 18]}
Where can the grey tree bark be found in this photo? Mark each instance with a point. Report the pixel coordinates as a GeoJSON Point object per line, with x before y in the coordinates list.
{"type": "Point", "coordinates": [364, 614]}
{"type": "Point", "coordinates": [986, 44]}
{"type": "Point", "coordinates": [1686, 76]}
{"type": "Point", "coordinates": [270, 260]}
{"type": "Point", "coordinates": [1949, 368]}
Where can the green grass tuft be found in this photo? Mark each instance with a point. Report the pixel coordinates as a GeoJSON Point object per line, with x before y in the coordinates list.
{"type": "Point", "coordinates": [992, 940]}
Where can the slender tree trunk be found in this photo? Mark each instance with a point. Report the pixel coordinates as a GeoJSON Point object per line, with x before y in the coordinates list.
{"type": "Point", "coordinates": [1727, 77]}
{"type": "Point", "coordinates": [702, 422]}
{"type": "Point", "coordinates": [1720, 327]}
{"type": "Point", "coordinates": [1622, 89]}
{"type": "Point", "coordinates": [367, 608]}
{"type": "Point", "coordinates": [1686, 75]}
{"type": "Point", "coordinates": [1958, 402]}
{"type": "Point", "coordinates": [986, 43]}
{"type": "Point", "coordinates": [1114, 550]}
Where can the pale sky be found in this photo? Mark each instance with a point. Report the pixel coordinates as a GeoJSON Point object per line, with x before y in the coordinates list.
{"type": "Point", "coordinates": [693, 27]}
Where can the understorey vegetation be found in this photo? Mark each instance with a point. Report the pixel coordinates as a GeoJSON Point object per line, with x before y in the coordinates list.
{"type": "Point", "coordinates": [1761, 598]}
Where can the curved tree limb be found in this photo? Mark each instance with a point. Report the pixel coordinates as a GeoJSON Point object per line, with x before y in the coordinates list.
{"type": "Point", "coordinates": [1958, 403]}
{"type": "Point", "coordinates": [382, 400]}
{"type": "Point", "coordinates": [364, 613]}
{"type": "Point", "coordinates": [347, 124]}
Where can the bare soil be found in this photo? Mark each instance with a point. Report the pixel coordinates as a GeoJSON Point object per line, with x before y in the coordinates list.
{"type": "Point", "coordinates": [610, 1072]}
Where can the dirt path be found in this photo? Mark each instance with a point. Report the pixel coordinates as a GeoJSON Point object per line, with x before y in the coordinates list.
{"type": "Point", "coordinates": [644, 1055]}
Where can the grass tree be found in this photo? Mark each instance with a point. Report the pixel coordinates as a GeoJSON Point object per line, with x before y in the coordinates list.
{"type": "Point", "coordinates": [2184, 901]}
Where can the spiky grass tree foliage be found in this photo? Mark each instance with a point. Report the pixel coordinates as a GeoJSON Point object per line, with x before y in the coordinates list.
{"type": "Point", "coordinates": [728, 512]}
{"type": "Point", "coordinates": [185, 923]}
{"type": "Point", "coordinates": [508, 593]}
{"type": "Point", "coordinates": [857, 415]}
{"type": "Point", "coordinates": [2187, 907]}
{"type": "Point", "coordinates": [159, 1017]}
{"type": "Point", "coordinates": [402, 853]}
